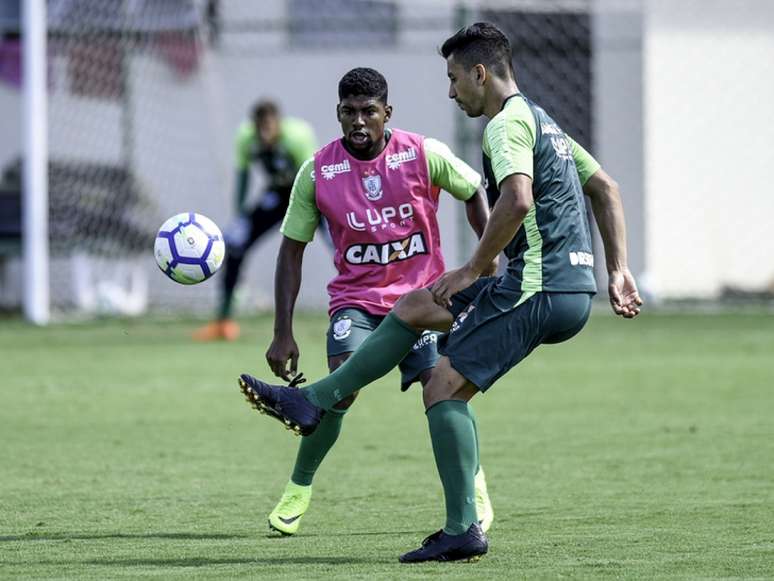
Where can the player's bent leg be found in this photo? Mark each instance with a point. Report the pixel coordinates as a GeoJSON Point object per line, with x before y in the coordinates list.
{"type": "Point", "coordinates": [285, 404]}
{"type": "Point", "coordinates": [418, 310]}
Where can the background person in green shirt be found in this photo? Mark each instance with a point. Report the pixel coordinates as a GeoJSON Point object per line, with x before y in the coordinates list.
{"type": "Point", "coordinates": [279, 145]}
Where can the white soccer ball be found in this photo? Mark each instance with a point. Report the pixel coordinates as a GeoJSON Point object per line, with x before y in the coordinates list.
{"type": "Point", "coordinates": [189, 248]}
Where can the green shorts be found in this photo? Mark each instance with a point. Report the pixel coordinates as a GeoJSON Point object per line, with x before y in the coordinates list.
{"type": "Point", "coordinates": [496, 326]}
{"type": "Point", "coordinates": [350, 327]}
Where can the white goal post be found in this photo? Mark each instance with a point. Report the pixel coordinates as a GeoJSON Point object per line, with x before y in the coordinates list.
{"type": "Point", "coordinates": [35, 164]}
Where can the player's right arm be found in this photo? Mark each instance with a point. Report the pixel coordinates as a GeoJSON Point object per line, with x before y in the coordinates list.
{"type": "Point", "coordinates": [508, 143]}
{"type": "Point", "coordinates": [244, 140]}
{"type": "Point", "coordinates": [298, 229]}
{"type": "Point", "coordinates": [453, 175]}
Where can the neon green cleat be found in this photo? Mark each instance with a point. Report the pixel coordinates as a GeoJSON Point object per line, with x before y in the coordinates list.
{"type": "Point", "coordinates": [484, 508]}
{"type": "Point", "coordinates": [286, 516]}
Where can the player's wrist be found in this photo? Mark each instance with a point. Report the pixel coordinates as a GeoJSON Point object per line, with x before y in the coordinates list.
{"type": "Point", "coordinates": [474, 268]}
{"type": "Point", "coordinates": [283, 330]}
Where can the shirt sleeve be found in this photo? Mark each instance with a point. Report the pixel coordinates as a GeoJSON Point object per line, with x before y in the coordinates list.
{"type": "Point", "coordinates": [509, 141]}
{"type": "Point", "coordinates": [303, 215]}
{"type": "Point", "coordinates": [586, 165]}
{"type": "Point", "coordinates": [449, 172]}
{"type": "Point", "coordinates": [245, 139]}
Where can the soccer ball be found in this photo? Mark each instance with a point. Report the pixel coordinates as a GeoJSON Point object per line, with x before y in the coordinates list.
{"type": "Point", "coordinates": [189, 248]}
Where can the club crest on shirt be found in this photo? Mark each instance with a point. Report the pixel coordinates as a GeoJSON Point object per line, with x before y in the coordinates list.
{"type": "Point", "coordinates": [342, 329]}
{"type": "Point", "coordinates": [372, 182]}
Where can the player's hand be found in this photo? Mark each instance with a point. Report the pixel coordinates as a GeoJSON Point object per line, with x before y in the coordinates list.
{"type": "Point", "coordinates": [491, 270]}
{"type": "Point", "coordinates": [283, 350]}
{"type": "Point", "coordinates": [451, 283]}
{"type": "Point", "coordinates": [624, 297]}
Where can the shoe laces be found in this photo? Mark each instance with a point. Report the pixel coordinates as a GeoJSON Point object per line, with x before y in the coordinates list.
{"type": "Point", "coordinates": [291, 503]}
{"type": "Point", "coordinates": [297, 380]}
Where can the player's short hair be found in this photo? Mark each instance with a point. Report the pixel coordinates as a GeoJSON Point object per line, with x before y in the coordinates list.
{"type": "Point", "coordinates": [363, 82]}
{"type": "Point", "coordinates": [480, 43]}
{"type": "Point", "coordinates": [263, 109]}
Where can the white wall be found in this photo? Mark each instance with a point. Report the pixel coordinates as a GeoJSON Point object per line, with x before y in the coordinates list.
{"type": "Point", "coordinates": [709, 126]}
{"type": "Point", "coordinates": [618, 116]}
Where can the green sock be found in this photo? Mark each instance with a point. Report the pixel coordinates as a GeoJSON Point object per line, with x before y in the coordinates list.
{"type": "Point", "coordinates": [224, 308]}
{"type": "Point", "coordinates": [454, 446]}
{"type": "Point", "coordinates": [314, 447]}
{"type": "Point", "coordinates": [475, 431]}
{"type": "Point", "coordinates": [378, 354]}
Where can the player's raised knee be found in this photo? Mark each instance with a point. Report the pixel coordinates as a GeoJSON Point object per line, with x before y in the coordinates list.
{"type": "Point", "coordinates": [412, 308]}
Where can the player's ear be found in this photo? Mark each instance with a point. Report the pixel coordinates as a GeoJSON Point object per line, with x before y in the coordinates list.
{"type": "Point", "coordinates": [387, 113]}
{"type": "Point", "coordinates": [479, 74]}
{"type": "Point", "coordinates": [338, 112]}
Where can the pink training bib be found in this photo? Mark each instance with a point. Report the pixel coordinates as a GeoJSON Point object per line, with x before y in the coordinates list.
{"type": "Point", "coordinates": [382, 217]}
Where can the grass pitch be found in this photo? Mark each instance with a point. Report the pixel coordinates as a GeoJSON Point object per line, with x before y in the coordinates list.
{"type": "Point", "coordinates": [639, 450]}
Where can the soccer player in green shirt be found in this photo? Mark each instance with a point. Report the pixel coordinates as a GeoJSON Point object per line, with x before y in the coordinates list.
{"type": "Point", "coordinates": [279, 145]}
{"type": "Point", "coordinates": [544, 297]}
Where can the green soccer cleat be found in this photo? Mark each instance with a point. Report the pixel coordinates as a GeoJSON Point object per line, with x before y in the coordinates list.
{"type": "Point", "coordinates": [484, 508]}
{"type": "Point", "coordinates": [286, 516]}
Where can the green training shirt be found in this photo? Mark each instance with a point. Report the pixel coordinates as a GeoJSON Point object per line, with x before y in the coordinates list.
{"type": "Point", "coordinates": [552, 249]}
{"type": "Point", "coordinates": [280, 162]}
{"type": "Point", "coordinates": [445, 169]}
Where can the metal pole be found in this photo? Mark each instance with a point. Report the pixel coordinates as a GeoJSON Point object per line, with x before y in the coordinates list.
{"type": "Point", "coordinates": [462, 141]}
{"type": "Point", "coordinates": [35, 173]}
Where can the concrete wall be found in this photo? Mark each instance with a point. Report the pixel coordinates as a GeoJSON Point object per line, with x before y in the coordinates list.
{"type": "Point", "coordinates": [618, 116]}
{"type": "Point", "coordinates": [709, 85]}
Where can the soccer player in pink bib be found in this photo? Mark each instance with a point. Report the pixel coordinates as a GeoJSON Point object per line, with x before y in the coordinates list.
{"type": "Point", "coordinates": [379, 191]}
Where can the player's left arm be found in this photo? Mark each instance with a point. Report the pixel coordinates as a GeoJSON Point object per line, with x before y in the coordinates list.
{"type": "Point", "coordinates": [608, 212]}
{"type": "Point", "coordinates": [585, 164]}
{"type": "Point", "coordinates": [607, 207]}
{"type": "Point", "coordinates": [450, 173]}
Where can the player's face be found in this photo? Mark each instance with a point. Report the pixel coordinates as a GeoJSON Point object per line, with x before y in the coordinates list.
{"type": "Point", "coordinates": [466, 87]}
{"type": "Point", "coordinates": [362, 123]}
{"type": "Point", "coordinates": [268, 129]}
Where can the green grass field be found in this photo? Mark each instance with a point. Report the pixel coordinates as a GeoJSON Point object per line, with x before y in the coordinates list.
{"type": "Point", "coordinates": [639, 450]}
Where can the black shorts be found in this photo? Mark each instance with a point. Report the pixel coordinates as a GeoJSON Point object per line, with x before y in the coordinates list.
{"type": "Point", "coordinates": [350, 327]}
{"type": "Point", "coordinates": [496, 326]}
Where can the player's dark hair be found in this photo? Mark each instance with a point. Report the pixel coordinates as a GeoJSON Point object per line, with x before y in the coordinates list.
{"type": "Point", "coordinates": [480, 43]}
{"type": "Point", "coordinates": [363, 82]}
{"type": "Point", "coordinates": [263, 109]}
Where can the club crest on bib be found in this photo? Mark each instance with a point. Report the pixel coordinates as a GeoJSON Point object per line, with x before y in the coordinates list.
{"type": "Point", "coordinates": [372, 182]}
{"type": "Point", "coordinates": [342, 329]}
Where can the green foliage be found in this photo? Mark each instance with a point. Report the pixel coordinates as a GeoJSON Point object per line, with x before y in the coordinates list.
{"type": "Point", "coordinates": [640, 449]}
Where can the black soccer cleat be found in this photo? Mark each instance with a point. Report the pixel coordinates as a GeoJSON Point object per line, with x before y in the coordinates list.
{"type": "Point", "coordinates": [439, 546]}
{"type": "Point", "coordinates": [285, 404]}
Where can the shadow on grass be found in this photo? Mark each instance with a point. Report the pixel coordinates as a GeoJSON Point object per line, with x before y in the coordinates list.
{"type": "Point", "coordinates": [98, 536]}
{"type": "Point", "coordinates": [190, 536]}
{"type": "Point", "coordinates": [207, 562]}
{"type": "Point", "coordinates": [275, 535]}
{"type": "Point", "coordinates": [210, 562]}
